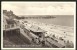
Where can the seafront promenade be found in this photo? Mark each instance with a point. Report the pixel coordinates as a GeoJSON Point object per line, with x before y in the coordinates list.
{"type": "Point", "coordinates": [35, 34]}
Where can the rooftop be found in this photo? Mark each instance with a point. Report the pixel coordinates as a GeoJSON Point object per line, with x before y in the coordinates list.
{"type": "Point", "coordinates": [35, 29]}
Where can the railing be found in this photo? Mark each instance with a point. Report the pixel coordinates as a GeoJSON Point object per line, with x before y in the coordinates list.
{"type": "Point", "coordinates": [11, 26]}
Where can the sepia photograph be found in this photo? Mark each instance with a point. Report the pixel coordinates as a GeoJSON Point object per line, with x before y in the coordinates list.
{"type": "Point", "coordinates": [38, 24]}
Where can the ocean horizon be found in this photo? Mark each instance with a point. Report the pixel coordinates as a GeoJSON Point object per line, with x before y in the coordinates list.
{"type": "Point", "coordinates": [63, 20]}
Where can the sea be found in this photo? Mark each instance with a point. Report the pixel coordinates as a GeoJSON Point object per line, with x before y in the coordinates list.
{"type": "Point", "coordinates": [63, 20]}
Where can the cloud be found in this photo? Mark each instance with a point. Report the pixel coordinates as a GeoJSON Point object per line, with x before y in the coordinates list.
{"type": "Point", "coordinates": [39, 8]}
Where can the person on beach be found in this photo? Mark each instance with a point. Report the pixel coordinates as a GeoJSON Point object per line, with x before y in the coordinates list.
{"type": "Point", "coordinates": [37, 41]}
{"type": "Point", "coordinates": [41, 41]}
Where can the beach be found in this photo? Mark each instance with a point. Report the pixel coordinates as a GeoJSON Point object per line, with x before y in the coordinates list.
{"type": "Point", "coordinates": [67, 33]}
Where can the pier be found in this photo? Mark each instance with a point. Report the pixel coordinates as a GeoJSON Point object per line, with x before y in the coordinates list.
{"type": "Point", "coordinates": [41, 35]}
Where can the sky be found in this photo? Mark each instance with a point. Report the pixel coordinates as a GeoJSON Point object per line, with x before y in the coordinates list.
{"type": "Point", "coordinates": [40, 8]}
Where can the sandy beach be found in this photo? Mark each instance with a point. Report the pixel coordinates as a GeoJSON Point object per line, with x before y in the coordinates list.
{"type": "Point", "coordinates": [67, 33]}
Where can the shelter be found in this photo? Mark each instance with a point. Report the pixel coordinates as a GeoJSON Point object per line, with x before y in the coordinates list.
{"type": "Point", "coordinates": [37, 31]}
